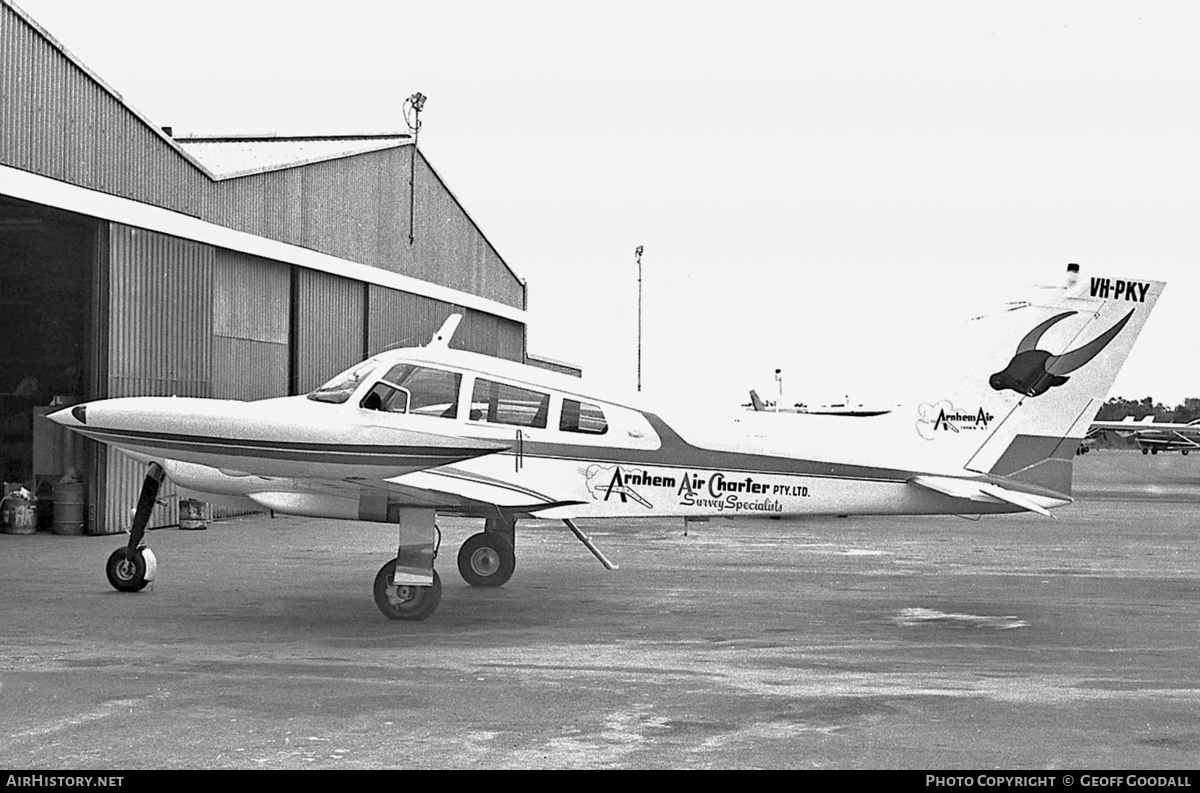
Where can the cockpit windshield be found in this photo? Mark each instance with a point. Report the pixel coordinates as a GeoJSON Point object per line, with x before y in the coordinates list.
{"type": "Point", "coordinates": [340, 388]}
{"type": "Point", "coordinates": [421, 390]}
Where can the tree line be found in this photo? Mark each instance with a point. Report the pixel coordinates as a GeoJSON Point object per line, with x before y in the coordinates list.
{"type": "Point", "coordinates": [1117, 408]}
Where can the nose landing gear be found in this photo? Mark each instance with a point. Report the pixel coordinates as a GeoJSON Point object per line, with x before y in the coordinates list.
{"type": "Point", "coordinates": [129, 569]}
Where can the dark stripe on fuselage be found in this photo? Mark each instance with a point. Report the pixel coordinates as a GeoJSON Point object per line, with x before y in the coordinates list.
{"type": "Point", "coordinates": [347, 454]}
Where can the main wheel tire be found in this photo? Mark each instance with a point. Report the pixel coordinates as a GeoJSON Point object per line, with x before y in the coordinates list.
{"type": "Point", "coordinates": [126, 575]}
{"type": "Point", "coordinates": [486, 559]}
{"type": "Point", "coordinates": [1184, 451]}
{"type": "Point", "coordinates": [1145, 451]}
{"type": "Point", "coordinates": [405, 602]}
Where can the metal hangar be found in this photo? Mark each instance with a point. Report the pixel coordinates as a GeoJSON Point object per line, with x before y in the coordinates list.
{"type": "Point", "coordinates": [136, 263]}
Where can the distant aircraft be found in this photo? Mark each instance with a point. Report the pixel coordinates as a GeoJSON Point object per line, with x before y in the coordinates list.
{"type": "Point", "coordinates": [414, 433]}
{"type": "Point", "coordinates": [843, 409]}
{"type": "Point", "coordinates": [1154, 437]}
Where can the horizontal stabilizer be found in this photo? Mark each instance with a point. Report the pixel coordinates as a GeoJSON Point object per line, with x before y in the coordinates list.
{"type": "Point", "coordinates": [985, 492]}
{"type": "Point", "coordinates": [1016, 499]}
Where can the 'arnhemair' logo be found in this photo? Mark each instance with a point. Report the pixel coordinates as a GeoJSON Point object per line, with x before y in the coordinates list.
{"type": "Point", "coordinates": [944, 417]}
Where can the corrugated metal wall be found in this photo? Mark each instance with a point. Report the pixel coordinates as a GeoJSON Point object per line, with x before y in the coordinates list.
{"type": "Point", "coordinates": [250, 325]}
{"type": "Point", "coordinates": [399, 319]}
{"type": "Point", "coordinates": [328, 329]}
{"type": "Point", "coordinates": [490, 335]}
{"type": "Point", "coordinates": [444, 232]}
{"type": "Point", "coordinates": [56, 119]}
{"type": "Point", "coordinates": [160, 318]}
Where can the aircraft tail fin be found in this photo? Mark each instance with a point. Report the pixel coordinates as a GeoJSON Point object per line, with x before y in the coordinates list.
{"type": "Point", "coordinates": [1046, 366]}
{"type": "Point", "coordinates": [756, 401]}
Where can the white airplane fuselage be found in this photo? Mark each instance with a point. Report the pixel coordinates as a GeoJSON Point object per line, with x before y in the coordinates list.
{"type": "Point", "coordinates": [305, 456]}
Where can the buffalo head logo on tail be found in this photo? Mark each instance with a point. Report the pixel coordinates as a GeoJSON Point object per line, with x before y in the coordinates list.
{"type": "Point", "coordinates": [1033, 372]}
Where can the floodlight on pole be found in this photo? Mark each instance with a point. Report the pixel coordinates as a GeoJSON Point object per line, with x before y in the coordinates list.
{"type": "Point", "coordinates": [412, 117]}
{"type": "Point", "coordinates": [412, 112]}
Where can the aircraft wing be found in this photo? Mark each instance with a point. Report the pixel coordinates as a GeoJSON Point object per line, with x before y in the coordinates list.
{"type": "Point", "coordinates": [447, 489]}
{"type": "Point", "coordinates": [473, 488]}
{"type": "Point", "coordinates": [1147, 424]}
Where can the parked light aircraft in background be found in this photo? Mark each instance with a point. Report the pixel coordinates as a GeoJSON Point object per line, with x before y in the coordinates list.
{"type": "Point", "coordinates": [1154, 437]}
{"type": "Point", "coordinates": [413, 433]}
{"type": "Point", "coordinates": [842, 409]}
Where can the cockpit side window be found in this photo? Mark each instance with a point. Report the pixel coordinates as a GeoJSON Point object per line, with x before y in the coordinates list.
{"type": "Point", "coordinates": [582, 417]}
{"type": "Point", "coordinates": [500, 403]}
{"type": "Point", "coordinates": [340, 388]}
{"type": "Point", "coordinates": [408, 388]}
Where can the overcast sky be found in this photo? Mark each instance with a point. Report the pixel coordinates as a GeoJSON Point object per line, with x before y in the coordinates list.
{"type": "Point", "coordinates": [818, 186]}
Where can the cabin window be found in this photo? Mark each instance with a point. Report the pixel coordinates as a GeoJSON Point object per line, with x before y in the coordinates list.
{"type": "Point", "coordinates": [582, 417]}
{"type": "Point", "coordinates": [499, 403]}
{"type": "Point", "coordinates": [340, 388]}
{"type": "Point", "coordinates": [408, 388]}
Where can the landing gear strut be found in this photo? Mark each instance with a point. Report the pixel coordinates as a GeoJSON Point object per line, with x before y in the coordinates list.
{"type": "Point", "coordinates": [129, 569]}
{"type": "Point", "coordinates": [407, 587]}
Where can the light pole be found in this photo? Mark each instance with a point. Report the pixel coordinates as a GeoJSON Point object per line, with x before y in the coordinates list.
{"type": "Point", "coordinates": [412, 117]}
{"type": "Point", "coordinates": [638, 255]}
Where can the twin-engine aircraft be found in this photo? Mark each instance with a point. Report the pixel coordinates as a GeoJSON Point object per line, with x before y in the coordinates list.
{"type": "Point", "coordinates": [1155, 436]}
{"type": "Point", "coordinates": [411, 434]}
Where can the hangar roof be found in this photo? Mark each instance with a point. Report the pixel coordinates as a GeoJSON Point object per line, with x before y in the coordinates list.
{"type": "Point", "coordinates": [230, 156]}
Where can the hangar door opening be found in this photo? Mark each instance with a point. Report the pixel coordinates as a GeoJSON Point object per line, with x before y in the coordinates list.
{"type": "Point", "coordinates": [47, 261]}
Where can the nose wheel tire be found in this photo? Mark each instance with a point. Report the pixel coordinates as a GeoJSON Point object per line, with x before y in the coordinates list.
{"type": "Point", "coordinates": [125, 574]}
{"type": "Point", "coordinates": [486, 559]}
{"type": "Point", "coordinates": [405, 602]}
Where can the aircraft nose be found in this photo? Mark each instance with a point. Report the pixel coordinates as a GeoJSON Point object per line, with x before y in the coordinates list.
{"type": "Point", "coordinates": [70, 417]}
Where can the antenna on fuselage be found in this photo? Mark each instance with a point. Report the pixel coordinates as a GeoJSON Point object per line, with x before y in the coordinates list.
{"type": "Point", "coordinates": [446, 332]}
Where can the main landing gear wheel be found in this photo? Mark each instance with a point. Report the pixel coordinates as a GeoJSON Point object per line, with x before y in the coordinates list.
{"type": "Point", "coordinates": [125, 574]}
{"type": "Point", "coordinates": [405, 602]}
{"type": "Point", "coordinates": [486, 559]}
